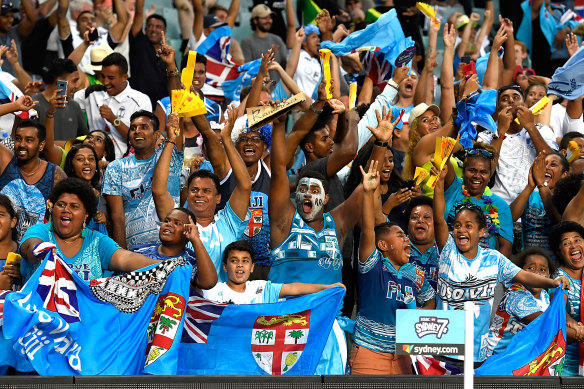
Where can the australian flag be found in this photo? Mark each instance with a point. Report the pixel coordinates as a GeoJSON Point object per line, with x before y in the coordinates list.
{"type": "Point", "coordinates": [128, 324]}
{"type": "Point", "coordinates": [537, 350]}
{"type": "Point", "coordinates": [287, 337]}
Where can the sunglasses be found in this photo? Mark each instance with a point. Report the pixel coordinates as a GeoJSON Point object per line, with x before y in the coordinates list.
{"type": "Point", "coordinates": [480, 152]}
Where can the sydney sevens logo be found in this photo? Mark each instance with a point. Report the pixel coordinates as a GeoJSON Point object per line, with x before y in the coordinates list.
{"type": "Point", "coordinates": [428, 325]}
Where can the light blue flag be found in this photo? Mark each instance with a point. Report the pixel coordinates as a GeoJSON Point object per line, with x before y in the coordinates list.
{"type": "Point", "coordinates": [126, 324]}
{"type": "Point", "coordinates": [477, 110]}
{"type": "Point", "coordinates": [276, 338]}
{"type": "Point", "coordinates": [568, 80]}
{"type": "Point", "coordinates": [247, 71]}
{"type": "Point", "coordinates": [384, 34]}
{"type": "Point", "coordinates": [539, 349]}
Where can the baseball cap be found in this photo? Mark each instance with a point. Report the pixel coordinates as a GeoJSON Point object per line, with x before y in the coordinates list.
{"type": "Point", "coordinates": [261, 11]}
{"type": "Point", "coordinates": [420, 109]}
{"type": "Point", "coordinates": [211, 21]}
{"type": "Point", "coordinates": [7, 7]}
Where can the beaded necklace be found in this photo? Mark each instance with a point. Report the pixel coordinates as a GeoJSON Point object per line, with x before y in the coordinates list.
{"type": "Point", "coordinates": [489, 208]}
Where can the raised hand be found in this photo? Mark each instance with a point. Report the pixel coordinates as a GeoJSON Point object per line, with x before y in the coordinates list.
{"type": "Point", "coordinates": [173, 127]}
{"type": "Point", "coordinates": [371, 177]}
{"type": "Point", "coordinates": [324, 21]}
{"type": "Point", "coordinates": [500, 38]}
{"type": "Point", "coordinates": [571, 44]}
{"type": "Point", "coordinates": [166, 52]}
{"type": "Point", "coordinates": [337, 106]}
{"type": "Point", "coordinates": [539, 169]}
{"type": "Point", "coordinates": [228, 128]}
{"type": "Point", "coordinates": [300, 35]}
{"type": "Point", "coordinates": [191, 231]}
{"type": "Point", "coordinates": [449, 36]}
{"type": "Point", "coordinates": [24, 103]}
{"type": "Point", "coordinates": [384, 129]}
{"type": "Point", "coordinates": [400, 74]}
{"type": "Point", "coordinates": [56, 101]}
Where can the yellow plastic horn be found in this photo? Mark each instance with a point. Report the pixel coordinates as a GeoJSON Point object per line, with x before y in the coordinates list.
{"type": "Point", "coordinates": [325, 57]}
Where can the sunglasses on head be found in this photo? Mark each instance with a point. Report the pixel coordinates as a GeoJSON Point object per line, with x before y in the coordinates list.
{"type": "Point", "coordinates": [515, 87]}
{"type": "Point", "coordinates": [480, 152]}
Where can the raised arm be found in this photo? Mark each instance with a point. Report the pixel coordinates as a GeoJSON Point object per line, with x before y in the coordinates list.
{"type": "Point", "coordinates": [199, 16]}
{"type": "Point", "coordinates": [253, 98]}
{"type": "Point", "coordinates": [290, 24]}
{"type": "Point", "coordinates": [62, 21]}
{"type": "Point", "coordinates": [424, 90]}
{"type": "Point", "coordinates": [509, 55]}
{"type": "Point", "coordinates": [232, 13]}
{"type": "Point", "coordinates": [215, 151]}
{"type": "Point", "coordinates": [447, 99]}
{"type": "Point", "coordinates": [440, 226]}
{"type": "Point", "coordinates": [370, 184]}
{"type": "Point", "coordinates": [239, 199]}
{"type": "Point", "coordinates": [489, 18]}
{"type": "Point", "coordinates": [138, 18]}
{"type": "Point", "coordinates": [77, 54]}
{"type": "Point", "coordinates": [518, 205]}
{"type": "Point", "coordinates": [294, 56]}
{"type": "Point", "coordinates": [162, 199]}
{"type": "Point", "coordinates": [52, 152]}
{"type": "Point", "coordinates": [290, 84]}
{"type": "Point", "coordinates": [206, 272]}
{"type": "Point", "coordinates": [527, 120]}
{"type": "Point", "coordinates": [123, 16]}
{"type": "Point", "coordinates": [491, 79]}
{"type": "Point", "coordinates": [29, 18]}
{"type": "Point", "coordinates": [545, 192]}
{"type": "Point", "coordinates": [575, 209]}
{"type": "Point", "coordinates": [346, 139]}
{"type": "Point", "coordinates": [167, 55]}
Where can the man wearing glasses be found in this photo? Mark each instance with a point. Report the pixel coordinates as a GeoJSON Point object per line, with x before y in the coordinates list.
{"type": "Point", "coordinates": [517, 142]}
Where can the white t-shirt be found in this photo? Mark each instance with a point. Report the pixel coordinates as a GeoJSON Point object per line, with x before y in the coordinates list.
{"type": "Point", "coordinates": [256, 292]}
{"type": "Point", "coordinates": [561, 123]}
{"type": "Point", "coordinates": [123, 105]}
{"type": "Point", "coordinates": [517, 154]}
{"type": "Point", "coordinates": [308, 73]}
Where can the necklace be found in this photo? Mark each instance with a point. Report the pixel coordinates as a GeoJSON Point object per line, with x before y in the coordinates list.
{"type": "Point", "coordinates": [490, 210]}
{"type": "Point", "coordinates": [71, 240]}
{"type": "Point", "coordinates": [33, 172]}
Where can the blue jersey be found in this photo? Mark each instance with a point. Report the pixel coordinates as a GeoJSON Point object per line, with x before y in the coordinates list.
{"type": "Point", "coordinates": [536, 223]}
{"type": "Point", "coordinates": [461, 279]}
{"type": "Point", "coordinates": [453, 196]}
{"type": "Point", "coordinates": [516, 304]}
{"type": "Point", "coordinates": [382, 291]}
{"type": "Point", "coordinates": [91, 261]}
{"type": "Point", "coordinates": [151, 251]}
{"type": "Point", "coordinates": [226, 228]}
{"type": "Point", "coordinates": [131, 178]}
{"type": "Point", "coordinates": [573, 309]}
{"type": "Point", "coordinates": [308, 256]}
{"type": "Point", "coordinates": [30, 201]}
{"type": "Point", "coordinates": [427, 262]}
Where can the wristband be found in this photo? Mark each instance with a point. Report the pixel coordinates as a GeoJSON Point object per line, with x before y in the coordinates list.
{"type": "Point", "coordinates": [381, 144]}
{"type": "Point", "coordinates": [316, 111]}
{"type": "Point", "coordinates": [172, 73]}
{"type": "Point", "coordinates": [169, 141]}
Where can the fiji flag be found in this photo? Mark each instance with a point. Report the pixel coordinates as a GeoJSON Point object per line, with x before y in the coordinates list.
{"type": "Point", "coordinates": [247, 71]}
{"type": "Point", "coordinates": [539, 349]}
{"type": "Point", "coordinates": [220, 65]}
{"type": "Point", "coordinates": [128, 324]}
{"type": "Point", "coordinates": [287, 337]}
{"type": "Point", "coordinates": [568, 80]}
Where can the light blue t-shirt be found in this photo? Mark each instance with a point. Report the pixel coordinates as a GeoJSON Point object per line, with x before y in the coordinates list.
{"type": "Point", "coordinates": [536, 223]}
{"type": "Point", "coordinates": [226, 228]}
{"type": "Point", "coordinates": [256, 292]}
{"type": "Point", "coordinates": [132, 179]}
{"type": "Point", "coordinates": [516, 304]}
{"type": "Point", "coordinates": [573, 309]}
{"type": "Point", "coordinates": [427, 262]}
{"type": "Point", "coordinates": [92, 260]}
{"type": "Point", "coordinates": [453, 196]}
{"type": "Point", "coordinates": [382, 291]}
{"type": "Point", "coordinates": [461, 279]}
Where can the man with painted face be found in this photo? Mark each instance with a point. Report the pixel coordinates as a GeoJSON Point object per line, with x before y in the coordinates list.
{"type": "Point", "coordinates": [517, 143]}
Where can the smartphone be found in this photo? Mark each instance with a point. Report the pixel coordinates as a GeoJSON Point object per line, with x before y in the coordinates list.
{"type": "Point", "coordinates": [410, 184]}
{"type": "Point", "coordinates": [62, 85]}
{"type": "Point", "coordinates": [93, 35]}
{"type": "Point", "coordinates": [465, 59]}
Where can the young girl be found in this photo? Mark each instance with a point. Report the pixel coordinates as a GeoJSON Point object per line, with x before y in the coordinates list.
{"type": "Point", "coordinates": [469, 272]}
{"type": "Point", "coordinates": [567, 241]}
{"type": "Point", "coordinates": [9, 273]}
{"type": "Point", "coordinates": [520, 305]}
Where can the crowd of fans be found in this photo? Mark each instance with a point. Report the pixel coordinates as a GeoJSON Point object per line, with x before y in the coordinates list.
{"type": "Point", "coordinates": [324, 195]}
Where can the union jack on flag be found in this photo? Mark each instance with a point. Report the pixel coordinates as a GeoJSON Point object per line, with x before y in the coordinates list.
{"type": "Point", "coordinates": [200, 314]}
{"type": "Point", "coordinates": [58, 291]}
{"type": "Point", "coordinates": [220, 65]}
{"type": "Point", "coordinates": [3, 295]}
{"type": "Point", "coordinates": [377, 67]}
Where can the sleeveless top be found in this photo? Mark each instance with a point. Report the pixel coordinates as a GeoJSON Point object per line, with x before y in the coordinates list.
{"type": "Point", "coordinates": [29, 200]}
{"type": "Point", "coordinates": [257, 232]}
{"type": "Point", "coordinates": [308, 256]}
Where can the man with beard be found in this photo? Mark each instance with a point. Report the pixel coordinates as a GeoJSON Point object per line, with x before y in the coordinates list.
{"type": "Point", "coordinates": [424, 252]}
{"type": "Point", "coordinates": [148, 69]}
{"type": "Point", "coordinates": [260, 41]}
{"type": "Point", "coordinates": [25, 178]}
{"type": "Point", "coordinates": [109, 106]}
{"type": "Point", "coordinates": [517, 143]}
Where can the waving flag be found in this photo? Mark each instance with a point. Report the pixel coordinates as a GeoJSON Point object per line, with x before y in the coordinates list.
{"type": "Point", "coordinates": [539, 349]}
{"type": "Point", "coordinates": [128, 324]}
{"type": "Point", "coordinates": [278, 338]}
{"type": "Point", "coordinates": [568, 80]}
{"type": "Point", "coordinates": [247, 71]}
{"type": "Point", "coordinates": [220, 65]}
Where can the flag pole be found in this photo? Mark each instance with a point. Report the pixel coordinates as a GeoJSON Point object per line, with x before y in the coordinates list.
{"type": "Point", "coordinates": [469, 308]}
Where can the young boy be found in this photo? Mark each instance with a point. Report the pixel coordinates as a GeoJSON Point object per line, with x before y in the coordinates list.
{"type": "Point", "coordinates": [387, 282]}
{"type": "Point", "coordinates": [238, 259]}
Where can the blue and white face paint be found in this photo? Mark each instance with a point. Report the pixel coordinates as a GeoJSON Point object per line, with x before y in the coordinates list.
{"type": "Point", "coordinates": [310, 198]}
